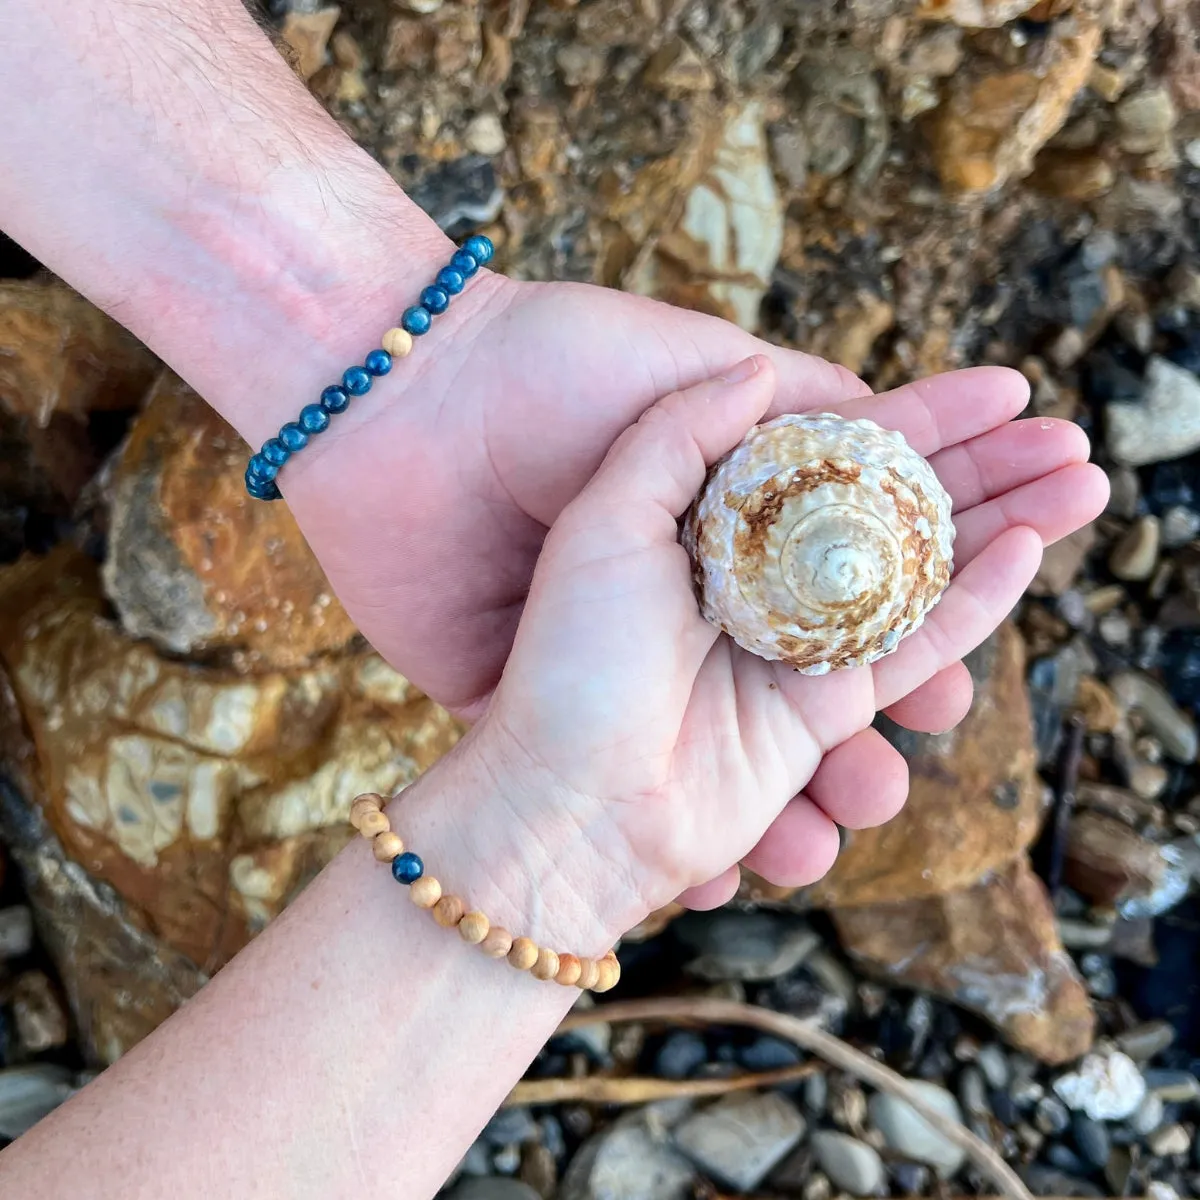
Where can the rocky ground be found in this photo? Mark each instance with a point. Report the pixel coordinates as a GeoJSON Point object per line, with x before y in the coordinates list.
{"type": "Point", "coordinates": [901, 185]}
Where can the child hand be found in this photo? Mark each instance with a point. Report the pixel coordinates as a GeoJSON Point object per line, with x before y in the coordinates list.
{"type": "Point", "coordinates": [675, 752]}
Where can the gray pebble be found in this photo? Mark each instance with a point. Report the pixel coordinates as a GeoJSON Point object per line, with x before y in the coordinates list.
{"type": "Point", "coordinates": [911, 1179]}
{"type": "Point", "coordinates": [1179, 525]}
{"type": "Point", "coordinates": [507, 1160]}
{"type": "Point", "coordinates": [852, 1165]}
{"type": "Point", "coordinates": [1144, 1041]}
{"type": "Point", "coordinates": [16, 931]}
{"type": "Point", "coordinates": [680, 1055]}
{"type": "Point", "coordinates": [993, 1062]}
{"type": "Point", "coordinates": [1179, 1086]}
{"type": "Point", "coordinates": [1051, 1116]}
{"type": "Point", "coordinates": [491, 1188]}
{"type": "Point", "coordinates": [1043, 1180]}
{"type": "Point", "coordinates": [1060, 1155]}
{"type": "Point", "coordinates": [28, 1093]}
{"type": "Point", "coordinates": [815, 1096]}
{"type": "Point", "coordinates": [1166, 422]}
{"type": "Point", "coordinates": [1173, 727]}
{"type": "Point", "coordinates": [628, 1161]}
{"type": "Point", "coordinates": [1170, 1140]}
{"type": "Point", "coordinates": [509, 1126]}
{"type": "Point", "coordinates": [768, 1054]}
{"type": "Point", "coordinates": [910, 1136]}
{"type": "Point", "coordinates": [1149, 1115]}
{"type": "Point", "coordinates": [552, 1135]}
{"type": "Point", "coordinates": [477, 1160]}
{"type": "Point", "coordinates": [742, 1137]}
{"type": "Point", "coordinates": [754, 946]}
{"type": "Point", "coordinates": [1092, 1139]}
{"type": "Point", "coordinates": [972, 1093]}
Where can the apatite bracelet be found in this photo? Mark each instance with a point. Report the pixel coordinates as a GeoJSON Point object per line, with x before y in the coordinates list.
{"type": "Point", "coordinates": [356, 381]}
{"type": "Point", "coordinates": [450, 912]}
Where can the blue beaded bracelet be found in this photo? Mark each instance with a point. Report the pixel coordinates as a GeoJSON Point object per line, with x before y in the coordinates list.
{"type": "Point", "coordinates": [264, 466]}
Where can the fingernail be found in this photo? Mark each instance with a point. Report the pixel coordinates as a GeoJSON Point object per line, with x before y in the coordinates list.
{"type": "Point", "coordinates": [744, 370]}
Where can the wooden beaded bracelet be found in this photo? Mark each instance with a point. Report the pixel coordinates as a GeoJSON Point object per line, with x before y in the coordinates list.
{"type": "Point", "coordinates": [416, 321]}
{"type": "Point", "coordinates": [450, 911]}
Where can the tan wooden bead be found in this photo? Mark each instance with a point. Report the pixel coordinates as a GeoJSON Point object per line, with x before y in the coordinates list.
{"type": "Point", "coordinates": [425, 892]}
{"type": "Point", "coordinates": [546, 966]}
{"type": "Point", "coordinates": [524, 953]}
{"type": "Point", "coordinates": [387, 846]}
{"type": "Point", "coordinates": [569, 970]}
{"type": "Point", "coordinates": [373, 822]}
{"type": "Point", "coordinates": [397, 342]}
{"type": "Point", "coordinates": [473, 928]}
{"type": "Point", "coordinates": [610, 972]}
{"type": "Point", "coordinates": [448, 911]}
{"type": "Point", "coordinates": [498, 942]}
{"type": "Point", "coordinates": [589, 974]}
{"type": "Point", "coordinates": [368, 802]}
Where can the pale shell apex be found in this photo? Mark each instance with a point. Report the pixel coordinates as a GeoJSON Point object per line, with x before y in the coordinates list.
{"type": "Point", "coordinates": [820, 542]}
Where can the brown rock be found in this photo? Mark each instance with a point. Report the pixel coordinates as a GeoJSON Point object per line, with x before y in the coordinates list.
{"type": "Point", "coordinates": [975, 802]}
{"type": "Point", "coordinates": [853, 330]}
{"type": "Point", "coordinates": [195, 564]}
{"type": "Point", "coordinates": [974, 14]}
{"type": "Point", "coordinates": [1097, 705]}
{"type": "Point", "coordinates": [1145, 120]}
{"type": "Point", "coordinates": [993, 949]}
{"type": "Point", "coordinates": [1062, 562]}
{"type": "Point", "coordinates": [1113, 865]}
{"type": "Point", "coordinates": [307, 34]}
{"type": "Point", "coordinates": [1073, 174]}
{"type": "Point", "coordinates": [995, 122]}
{"type": "Point", "coordinates": [204, 798]}
{"type": "Point", "coordinates": [38, 1014]}
{"type": "Point", "coordinates": [676, 67]}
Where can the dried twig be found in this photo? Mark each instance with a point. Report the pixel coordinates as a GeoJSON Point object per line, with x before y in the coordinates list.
{"type": "Point", "coordinates": [597, 1089]}
{"type": "Point", "coordinates": [704, 1011]}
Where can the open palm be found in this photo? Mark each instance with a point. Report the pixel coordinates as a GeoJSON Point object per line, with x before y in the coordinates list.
{"type": "Point", "coordinates": [453, 486]}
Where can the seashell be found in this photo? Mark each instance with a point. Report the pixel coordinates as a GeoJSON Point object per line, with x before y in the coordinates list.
{"type": "Point", "coordinates": [820, 542]}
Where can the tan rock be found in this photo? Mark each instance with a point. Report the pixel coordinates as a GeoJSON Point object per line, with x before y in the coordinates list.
{"type": "Point", "coordinates": [702, 229]}
{"type": "Point", "coordinates": [993, 949]}
{"type": "Point", "coordinates": [194, 563]}
{"type": "Point", "coordinates": [995, 122]}
{"type": "Point", "coordinates": [974, 14]}
{"type": "Point", "coordinates": [676, 67]}
{"type": "Point", "coordinates": [1097, 705]}
{"type": "Point", "coordinates": [1145, 120]}
{"type": "Point", "coordinates": [1062, 562]}
{"type": "Point", "coordinates": [850, 335]}
{"type": "Point", "coordinates": [975, 801]}
{"type": "Point", "coordinates": [308, 34]}
{"type": "Point", "coordinates": [1134, 557]}
{"type": "Point", "coordinates": [204, 798]}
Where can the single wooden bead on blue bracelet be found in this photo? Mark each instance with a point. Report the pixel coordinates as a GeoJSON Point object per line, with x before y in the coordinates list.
{"type": "Point", "coordinates": [416, 321]}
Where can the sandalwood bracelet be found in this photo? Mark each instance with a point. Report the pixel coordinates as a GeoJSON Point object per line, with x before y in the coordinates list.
{"type": "Point", "coordinates": [450, 911]}
{"type": "Point", "coordinates": [417, 320]}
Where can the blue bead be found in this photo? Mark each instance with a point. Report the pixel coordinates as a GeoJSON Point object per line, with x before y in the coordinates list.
{"type": "Point", "coordinates": [313, 418]}
{"type": "Point", "coordinates": [293, 437]}
{"type": "Point", "coordinates": [261, 489]}
{"type": "Point", "coordinates": [416, 320]}
{"type": "Point", "coordinates": [451, 280]}
{"type": "Point", "coordinates": [260, 468]}
{"type": "Point", "coordinates": [465, 262]}
{"type": "Point", "coordinates": [275, 452]}
{"type": "Point", "coordinates": [436, 299]}
{"type": "Point", "coordinates": [334, 399]}
{"type": "Point", "coordinates": [378, 362]}
{"type": "Point", "coordinates": [479, 248]}
{"type": "Point", "coordinates": [407, 868]}
{"type": "Point", "coordinates": [357, 381]}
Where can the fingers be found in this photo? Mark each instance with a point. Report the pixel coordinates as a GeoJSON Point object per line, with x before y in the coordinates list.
{"type": "Point", "coordinates": [1006, 458]}
{"type": "Point", "coordinates": [861, 783]}
{"type": "Point", "coordinates": [938, 704]}
{"type": "Point", "coordinates": [944, 410]}
{"type": "Point", "coordinates": [660, 462]}
{"type": "Point", "coordinates": [714, 893]}
{"type": "Point", "coordinates": [981, 596]}
{"type": "Point", "coordinates": [798, 848]}
{"type": "Point", "coordinates": [1054, 506]}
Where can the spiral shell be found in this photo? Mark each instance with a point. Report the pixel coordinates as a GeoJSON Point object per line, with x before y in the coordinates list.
{"type": "Point", "coordinates": [820, 542]}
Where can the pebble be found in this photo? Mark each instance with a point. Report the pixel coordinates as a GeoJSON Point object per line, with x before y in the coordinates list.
{"type": "Point", "coordinates": [911, 1179]}
{"type": "Point", "coordinates": [816, 1094]}
{"type": "Point", "coordinates": [1124, 491]}
{"type": "Point", "coordinates": [1165, 424]}
{"type": "Point", "coordinates": [628, 1161]}
{"type": "Point", "coordinates": [972, 1093]}
{"type": "Point", "coordinates": [39, 1016]}
{"type": "Point", "coordinates": [768, 1054]}
{"type": "Point", "coordinates": [1171, 1140]}
{"type": "Point", "coordinates": [910, 1136]}
{"type": "Point", "coordinates": [509, 1126]}
{"type": "Point", "coordinates": [1149, 1115]}
{"type": "Point", "coordinates": [1051, 1116]}
{"type": "Point", "coordinates": [848, 1107]}
{"type": "Point", "coordinates": [1145, 119]}
{"type": "Point", "coordinates": [1092, 1139]}
{"type": "Point", "coordinates": [1144, 1041]}
{"type": "Point", "coordinates": [28, 1093]}
{"type": "Point", "coordinates": [1173, 1086]}
{"type": "Point", "coordinates": [993, 1062]}
{"type": "Point", "coordinates": [1161, 1191]}
{"type": "Point", "coordinates": [756, 946]}
{"type": "Point", "coordinates": [507, 1159]}
{"type": "Point", "coordinates": [742, 1137]}
{"type": "Point", "coordinates": [477, 1160]}
{"type": "Point", "coordinates": [680, 1055]}
{"type": "Point", "coordinates": [818, 1187]}
{"type": "Point", "coordinates": [1044, 1180]}
{"type": "Point", "coordinates": [1170, 724]}
{"type": "Point", "coordinates": [1180, 525]}
{"type": "Point", "coordinates": [16, 931]}
{"type": "Point", "coordinates": [1135, 555]}
{"type": "Point", "coordinates": [489, 1187]}
{"type": "Point", "coordinates": [1107, 1087]}
{"type": "Point", "coordinates": [485, 135]}
{"type": "Point", "coordinates": [850, 1164]}
{"type": "Point", "coordinates": [1065, 1159]}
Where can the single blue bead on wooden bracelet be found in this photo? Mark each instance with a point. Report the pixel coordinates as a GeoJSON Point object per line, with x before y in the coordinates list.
{"type": "Point", "coordinates": [357, 381]}
{"type": "Point", "coordinates": [416, 320]}
{"type": "Point", "coordinates": [261, 489]}
{"type": "Point", "coordinates": [293, 437]}
{"type": "Point", "coordinates": [479, 248]}
{"type": "Point", "coordinates": [260, 468]}
{"type": "Point", "coordinates": [313, 419]}
{"type": "Point", "coordinates": [407, 868]}
{"type": "Point", "coordinates": [436, 299]}
{"type": "Point", "coordinates": [378, 362]}
{"type": "Point", "coordinates": [275, 452]}
{"type": "Point", "coordinates": [451, 279]}
{"type": "Point", "coordinates": [464, 262]}
{"type": "Point", "coordinates": [334, 399]}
